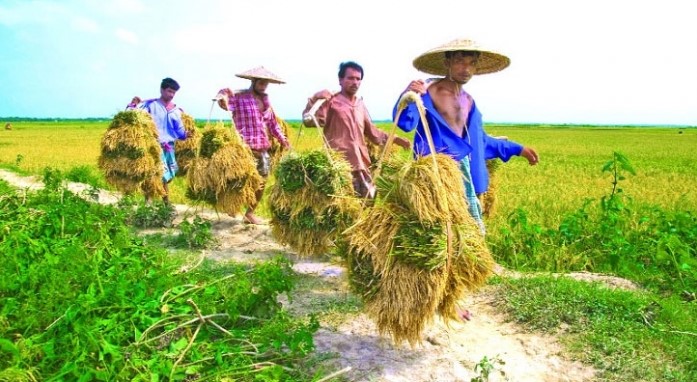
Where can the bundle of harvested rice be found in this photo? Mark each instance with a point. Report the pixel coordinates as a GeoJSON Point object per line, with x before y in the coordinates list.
{"type": "Point", "coordinates": [224, 174]}
{"type": "Point", "coordinates": [405, 297]}
{"type": "Point", "coordinates": [131, 154]}
{"type": "Point", "coordinates": [277, 151]}
{"type": "Point", "coordinates": [417, 252]}
{"type": "Point", "coordinates": [470, 266]}
{"type": "Point", "coordinates": [488, 199]}
{"type": "Point", "coordinates": [312, 201]}
{"type": "Point", "coordinates": [434, 195]}
{"type": "Point", "coordinates": [409, 265]}
{"type": "Point", "coordinates": [185, 150]}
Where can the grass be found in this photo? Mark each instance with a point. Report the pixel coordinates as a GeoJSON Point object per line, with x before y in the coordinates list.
{"type": "Point", "coordinates": [625, 335]}
{"type": "Point", "coordinates": [569, 163]}
{"type": "Point", "coordinates": [327, 297]}
{"type": "Point", "coordinates": [31, 146]}
{"type": "Point", "coordinates": [646, 335]}
{"type": "Point", "coordinates": [568, 169]}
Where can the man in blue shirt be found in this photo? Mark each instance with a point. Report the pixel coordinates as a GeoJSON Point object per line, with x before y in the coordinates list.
{"type": "Point", "coordinates": [168, 120]}
{"type": "Point", "coordinates": [454, 121]}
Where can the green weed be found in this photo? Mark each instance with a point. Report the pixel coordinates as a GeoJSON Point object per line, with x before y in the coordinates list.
{"type": "Point", "coordinates": [195, 234]}
{"type": "Point", "coordinates": [140, 214]}
{"type": "Point", "coordinates": [613, 235]}
{"type": "Point", "coordinates": [487, 367]}
{"type": "Point", "coordinates": [87, 175]}
{"type": "Point", "coordinates": [82, 298]}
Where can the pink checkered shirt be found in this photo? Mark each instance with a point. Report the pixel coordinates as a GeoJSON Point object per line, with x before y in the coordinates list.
{"type": "Point", "coordinates": [251, 122]}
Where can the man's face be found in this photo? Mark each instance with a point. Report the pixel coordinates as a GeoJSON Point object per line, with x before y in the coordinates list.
{"type": "Point", "coordinates": [260, 86]}
{"type": "Point", "coordinates": [351, 81]}
{"type": "Point", "coordinates": [167, 94]}
{"type": "Point", "coordinates": [461, 67]}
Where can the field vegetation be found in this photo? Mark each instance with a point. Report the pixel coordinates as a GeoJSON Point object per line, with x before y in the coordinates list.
{"type": "Point", "coordinates": [612, 200]}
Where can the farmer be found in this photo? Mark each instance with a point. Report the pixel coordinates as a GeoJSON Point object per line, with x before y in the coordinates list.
{"type": "Point", "coordinates": [168, 119]}
{"type": "Point", "coordinates": [253, 116]}
{"type": "Point", "coordinates": [347, 124]}
{"type": "Point", "coordinates": [453, 117]}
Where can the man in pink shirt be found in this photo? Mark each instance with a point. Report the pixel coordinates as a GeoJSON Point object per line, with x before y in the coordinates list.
{"type": "Point", "coordinates": [347, 125]}
{"type": "Point", "coordinates": [253, 115]}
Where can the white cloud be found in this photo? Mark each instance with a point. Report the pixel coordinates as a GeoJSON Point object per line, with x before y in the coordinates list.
{"type": "Point", "coordinates": [118, 7]}
{"type": "Point", "coordinates": [126, 36]}
{"type": "Point", "coordinates": [83, 24]}
{"type": "Point", "coordinates": [31, 12]}
{"type": "Point", "coordinates": [9, 17]}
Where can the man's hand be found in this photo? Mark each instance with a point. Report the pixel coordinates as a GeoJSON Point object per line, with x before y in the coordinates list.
{"type": "Point", "coordinates": [418, 86]}
{"type": "Point", "coordinates": [285, 144]}
{"type": "Point", "coordinates": [323, 94]}
{"type": "Point", "coordinates": [531, 155]}
{"type": "Point", "coordinates": [223, 97]}
{"type": "Point", "coordinates": [403, 143]}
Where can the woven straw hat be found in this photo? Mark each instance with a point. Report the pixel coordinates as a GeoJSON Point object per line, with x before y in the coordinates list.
{"type": "Point", "coordinates": [432, 61]}
{"type": "Point", "coordinates": [261, 72]}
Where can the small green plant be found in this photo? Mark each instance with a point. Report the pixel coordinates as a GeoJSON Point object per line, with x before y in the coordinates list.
{"type": "Point", "coordinates": [87, 175]}
{"type": "Point", "coordinates": [92, 193]}
{"type": "Point", "coordinates": [487, 367]}
{"type": "Point", "coordinates": [195, 234]}
{"type": "Point", "coordinates": [153, 215]}
{"type": "Point", "coordinates": [616, 167]}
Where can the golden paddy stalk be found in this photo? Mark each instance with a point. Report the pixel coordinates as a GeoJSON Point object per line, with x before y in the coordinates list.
{"type": "Point", "coordinates": [130, 154]}
{"type": "Point", "coordinates": [186, 150]}
{"type": "Point", "coordinates": [417, 251]}
{"type": "Point", "coordinates": [312, 201]}
{"type": "Point", "coordinates": [224, 173]}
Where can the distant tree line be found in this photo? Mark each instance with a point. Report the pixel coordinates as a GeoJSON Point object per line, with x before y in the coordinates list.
{"type": "Point", "coordinates": [26, 119]}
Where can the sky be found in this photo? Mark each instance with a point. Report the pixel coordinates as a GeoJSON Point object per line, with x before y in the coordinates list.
{"type": "Point", "coordinates": [602, 62]}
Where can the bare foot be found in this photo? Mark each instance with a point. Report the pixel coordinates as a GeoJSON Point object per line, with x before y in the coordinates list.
{"type": "Point", "coordinates": [250, 218]}
{"type": "Point", "coordinates": [464, 315]}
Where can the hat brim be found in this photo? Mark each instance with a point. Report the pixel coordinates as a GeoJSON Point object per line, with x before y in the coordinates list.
{"type": "Point", "coordinates": [260, 77]}
{"type": "Point", "coordinates": [432, 61]}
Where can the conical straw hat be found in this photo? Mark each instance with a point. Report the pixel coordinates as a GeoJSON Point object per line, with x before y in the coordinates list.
{"type": "Point", "coordinates": [432, 61]}
{"type": "Point", "coordinates": [261, 73]}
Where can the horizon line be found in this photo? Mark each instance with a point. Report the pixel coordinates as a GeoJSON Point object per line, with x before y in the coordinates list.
{"type": "Point", "coordinates": [104, 119]}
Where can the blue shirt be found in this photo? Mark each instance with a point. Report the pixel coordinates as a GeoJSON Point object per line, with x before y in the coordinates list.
{"type": "Point", "coordinates": [478, 145]}
{"type": "Point", "coordinates": [169, 122]}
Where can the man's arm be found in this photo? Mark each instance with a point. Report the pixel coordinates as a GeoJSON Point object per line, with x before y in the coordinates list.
{"type": "Point", "coordinates": [275, 129]}
{"type": "Point", "coordinates": [320, 110]}
{"type": "Point", "coordinates": [134, 103]}
{"type": "Point", "coordinates": [409, 118]}
{"type": "Point", "coordinates": [502, 148]}
{"type": "Point", "coordinates": [224, 98]}
{"type": "Point", "coordinates": [530, 154]}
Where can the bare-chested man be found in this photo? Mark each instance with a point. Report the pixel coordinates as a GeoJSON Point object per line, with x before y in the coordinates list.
{"type": "Point", "coordinates": [452, 115]}
{"type": "Point", "coordinates": [454, 121]}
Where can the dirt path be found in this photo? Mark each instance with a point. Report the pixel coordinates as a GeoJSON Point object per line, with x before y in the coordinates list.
{"type": "Point", "coordinates": [351, 342]}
